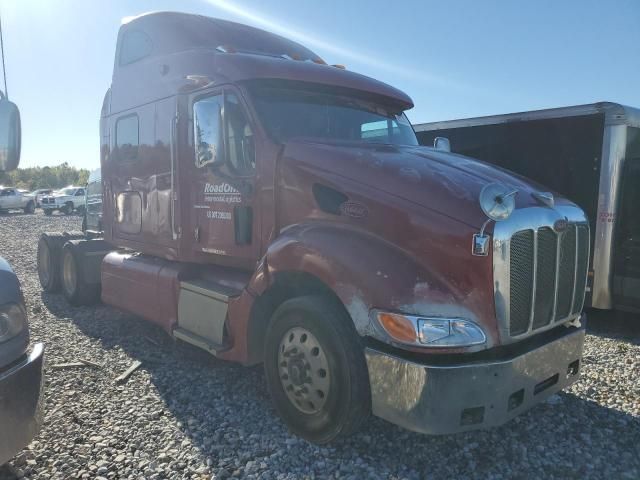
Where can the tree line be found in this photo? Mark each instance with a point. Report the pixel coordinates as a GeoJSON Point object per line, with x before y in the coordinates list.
{"type": "Point", "coordinates": [33, 178]}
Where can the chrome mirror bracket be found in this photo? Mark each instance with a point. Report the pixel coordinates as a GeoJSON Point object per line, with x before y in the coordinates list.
{"type": "Point", "coordinates": [481, 242]}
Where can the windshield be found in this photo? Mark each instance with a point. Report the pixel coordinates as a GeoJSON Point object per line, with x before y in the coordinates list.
{"type": "Point", "coordinates": [321, 112]}
{"type": "Point", "coordinates": [67, 191]}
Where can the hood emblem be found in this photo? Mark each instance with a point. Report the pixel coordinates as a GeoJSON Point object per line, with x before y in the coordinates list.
{"type": "Point", "coordinates": [545, 198]}
{"type": "Point", "coordinates": [354, 209]}
{"type": "Point", "coordinates": [561, 225]}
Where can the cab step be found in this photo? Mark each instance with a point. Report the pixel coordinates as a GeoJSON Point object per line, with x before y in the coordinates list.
{"type": "Point", "coordinates": [198, 341]}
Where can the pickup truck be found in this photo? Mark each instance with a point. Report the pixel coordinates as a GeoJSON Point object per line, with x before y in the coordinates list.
{"type": "Point", "coordinates": [14, 199]}
{"type": "Point", "coordinates": [41, 192]}
{"type": "Point", "coordinates": [67, 201]}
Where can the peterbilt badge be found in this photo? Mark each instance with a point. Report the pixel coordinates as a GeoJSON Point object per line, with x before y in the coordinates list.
{"type": "Point", "coordinates": [561, 225]}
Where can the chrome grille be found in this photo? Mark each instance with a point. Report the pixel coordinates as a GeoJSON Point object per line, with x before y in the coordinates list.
{"type": "Point", "coordinates": [521, 291]}
{"type": "Point", "coordinates": [546, 269]}
{"type": "Point", "coordinates": [545, 277]}
{"type": "Point", "coordinates": [539, 274]}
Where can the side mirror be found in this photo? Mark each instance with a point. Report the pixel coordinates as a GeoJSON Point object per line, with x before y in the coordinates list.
{"type": "Point", "coordinates": [442, 143]}
{"type": "Point", "coordinates": [10, 135]}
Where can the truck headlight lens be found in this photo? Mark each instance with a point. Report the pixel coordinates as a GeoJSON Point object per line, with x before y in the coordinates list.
{"type": "Point", "coordinates": [13, 320]}
{"type": "Point", "coordinates": [453, 332]}
{"type": "Point", "coordinates": [431, 331]}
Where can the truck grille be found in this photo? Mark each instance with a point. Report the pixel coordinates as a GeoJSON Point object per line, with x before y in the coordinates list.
{"type": "Point", "coordinates": [547, 276]}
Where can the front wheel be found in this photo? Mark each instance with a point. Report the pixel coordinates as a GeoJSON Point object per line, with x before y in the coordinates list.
{"type": "Point", "coordinates": [48, 212]}
{"type": "Point", "coordinates": [316, 370]}
{"type": "Point", "coordinates": [30, 208]}
{"type": "Point", "coordinates": [67, 209]}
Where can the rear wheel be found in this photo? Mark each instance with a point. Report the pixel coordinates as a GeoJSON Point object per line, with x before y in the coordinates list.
{"type": "Point", "coordinates": [48, 258]}
{"type": "Point", "coordinates": [315, 369]}
{"type": "Point", "coordinates": [75, 287]}
{"type": "Point", "coordinates": [30, 208]}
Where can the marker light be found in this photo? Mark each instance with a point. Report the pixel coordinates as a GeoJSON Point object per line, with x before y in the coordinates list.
{"type": "Point", "coordinates": [399, 327]}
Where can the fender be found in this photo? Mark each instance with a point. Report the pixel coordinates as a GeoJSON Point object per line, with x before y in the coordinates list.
{"type": "Point", "coordinates": [365, 272]}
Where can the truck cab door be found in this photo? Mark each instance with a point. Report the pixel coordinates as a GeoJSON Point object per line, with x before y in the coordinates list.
{"type": "Point", "coordinates": [223, 218]}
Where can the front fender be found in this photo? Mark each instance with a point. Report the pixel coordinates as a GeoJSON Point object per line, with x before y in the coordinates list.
{"type": "Point", "coordinates": [364, 271]}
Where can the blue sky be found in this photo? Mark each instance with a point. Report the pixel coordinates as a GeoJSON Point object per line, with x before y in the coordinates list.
{"type": "Point", "coordinates": [458, 58]}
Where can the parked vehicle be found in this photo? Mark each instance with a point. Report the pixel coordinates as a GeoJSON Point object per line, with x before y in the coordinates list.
{"type": "Point", "coordinates": [266, 207]}
{"type": "Point", "coordinates": [15, 199]}
{"type": "Point", "coordinates": [590, 154]}
{"type": "Point", "coordinates": [38, 194]}
{"type": "Point", "coordinates": [67, 201]}
{"type": "Point", "coordinates": [20, 367]}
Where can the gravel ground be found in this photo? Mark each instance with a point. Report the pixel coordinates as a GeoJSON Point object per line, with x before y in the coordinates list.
{"type": "Point", "coordinates": [184, 414]}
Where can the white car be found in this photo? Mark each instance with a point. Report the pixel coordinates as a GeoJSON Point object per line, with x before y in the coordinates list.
{"type": "Point", "coordinates": [67, 201]}
{"type": "Point", "coordinates": [14, 199]}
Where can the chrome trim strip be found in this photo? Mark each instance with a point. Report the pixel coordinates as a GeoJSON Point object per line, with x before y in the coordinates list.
{"type": "Point", "coordinates": [532, 218]}
{"type": "Point", "coordinates": [575, 269]}
{"type": "Point", "coordinates": [534, 281]}
{"type": "Point", "coordinates": [557, 277]}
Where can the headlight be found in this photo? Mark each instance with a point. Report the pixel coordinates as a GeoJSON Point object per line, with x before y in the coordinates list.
{"type": "Point", "coordinates": [13, 320]}
{"type": "Point", "coordinates": [431, 331]}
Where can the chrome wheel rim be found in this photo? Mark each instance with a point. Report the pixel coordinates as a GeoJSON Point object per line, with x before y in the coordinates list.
{"type": "Point", "coordinates": [69, 274]}
{"type": "Point", "coordinates": [304, 370]}
{"type": "Point", "coordinates": [43, 262]}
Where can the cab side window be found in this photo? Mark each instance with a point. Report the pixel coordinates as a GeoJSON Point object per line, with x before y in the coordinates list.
{"type": "Point", "coordinates": [239, 137]}
{"type": "Point", "coordinates": [127, 137]}
{"type": "Point", "coordinates": [207, 130]}
{"type": "Point", "coordinates": [80, 193]}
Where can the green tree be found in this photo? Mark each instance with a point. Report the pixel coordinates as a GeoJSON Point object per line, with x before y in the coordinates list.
{"type": "Point", "coordinates": [56, 177]}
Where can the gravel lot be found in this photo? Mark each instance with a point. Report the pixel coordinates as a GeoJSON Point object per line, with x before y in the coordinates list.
{"type": "Point", "coordinates": [184, 414]}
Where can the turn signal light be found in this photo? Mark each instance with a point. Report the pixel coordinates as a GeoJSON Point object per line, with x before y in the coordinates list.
{"type": "Point", "coordinates": [398, 327]}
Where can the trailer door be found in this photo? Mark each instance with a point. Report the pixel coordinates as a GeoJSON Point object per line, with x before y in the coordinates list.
{"type": "Point", "coordinates": [626, 285]}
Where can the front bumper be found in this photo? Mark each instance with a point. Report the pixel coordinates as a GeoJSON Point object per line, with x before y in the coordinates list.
{"type": "Point", "coordinates": [456, 398]}
{"type": "Point", "coordinates": [21, 403]}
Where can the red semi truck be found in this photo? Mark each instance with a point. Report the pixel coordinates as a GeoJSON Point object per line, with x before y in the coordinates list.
{"type": "Point", "coordinates": [270, 208]}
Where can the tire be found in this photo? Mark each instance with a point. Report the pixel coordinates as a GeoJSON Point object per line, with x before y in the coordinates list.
{"type": "Point", "coordinates": [30, 208]}
{"type": "Point", "coordinates": [75, 288]}
{"type": "Point", "coordinates": [67, 208]}
{"type": "Point", "coordinates": [311, 344]}
{"type": "Point", "coordinates": [48, 258]}
{"type": "Point", "coordinates": [48, 212]}
{"type": "Point", "coordinates": [80, 209]}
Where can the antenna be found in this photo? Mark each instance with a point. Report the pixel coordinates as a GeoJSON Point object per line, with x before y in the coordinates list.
{"type": "Point", "coordinates": [4, 70]}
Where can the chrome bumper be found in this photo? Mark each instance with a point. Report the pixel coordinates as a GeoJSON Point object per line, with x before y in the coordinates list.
{"type": "Point", "coordinates": [21, 403]}
{"type": "Point", "coordinates": [456, 398]}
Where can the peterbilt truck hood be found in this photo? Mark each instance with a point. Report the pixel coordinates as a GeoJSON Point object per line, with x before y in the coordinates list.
{"type": "Point", "coordinates": [445, 182]}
